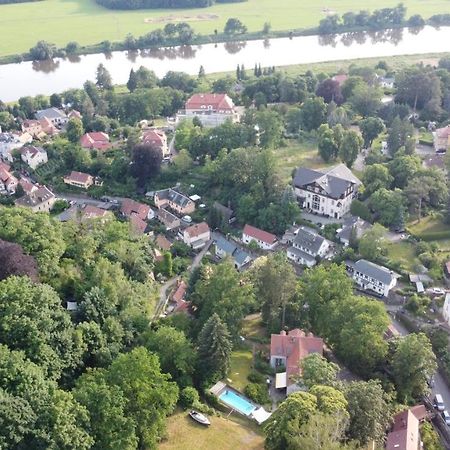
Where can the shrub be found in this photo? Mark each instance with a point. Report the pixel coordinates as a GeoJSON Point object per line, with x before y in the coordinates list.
{"type": "Point", "coordinates": [188, 396]}
{"type": "Point", "coordinates": [256, 377]}
{"type": "Point", "coordinates": [257, 392]}
{"type": "Point", "coordinates": [264, 367]}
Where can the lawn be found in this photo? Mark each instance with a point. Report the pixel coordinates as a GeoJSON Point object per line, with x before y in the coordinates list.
{"type": "Point", "coordinates": [429, 224]}
{"type": "Point", "coordinates": [223, 434]}
{"type": "Point", "coordinates": [61, 21]}
{"type": "Point", "coordinates": [296, 154]}
{"type": "Point", "coordinates": [240, 367]}
{"type": "Point", "coordinates": [253, 328]}
{"type": "Point", "coordinates": [404, 253]}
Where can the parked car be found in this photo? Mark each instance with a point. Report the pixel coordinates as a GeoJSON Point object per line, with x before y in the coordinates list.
{"type": "Point", "coordinates": [446, 417]}
{"type": "Point", "coordinates": [438, 291]}
{"type": "Point", "coordinates": [439, 402]}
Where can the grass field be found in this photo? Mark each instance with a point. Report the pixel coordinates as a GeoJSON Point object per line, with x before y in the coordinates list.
{"type": "Point", "coordinates": [240, 367]}
{"type": "Point", "coordinates": [223, 434]}
{"type": "Point", "coordinates": [426, 225]}
{"type": "Point", "coordinates": [404, 253]}
{"type": "Point", "coordinates": [61, 21]}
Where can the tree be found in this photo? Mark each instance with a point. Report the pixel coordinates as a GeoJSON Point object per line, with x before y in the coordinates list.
{"type": "Point", "coordinates": [72, 48]}
{"type": "Point", "coordinates": [201, 72]}
{"type": "Point", "coordinates": [274, 283]}
{"type": "Point", "coordinates": [387, 206]}
{"type": "Point", "coordinates": [33, 320]}
{"type": "Point", "coordinates": [43, 50]}
{"type": "Point", "coordinates": [417, 193]}
{"type": "Point", "coordinates": [175, 353]}
{"type": "Point", "coordinates": [401, 135]}
{"type": "Point", "coordinates": [13, 261]}
{"type": "Point", "coordinates": [365, 99]}
{"type": "Point", "coordinates": [350, 147]}
{"type": "Point", "coordinates": [189, 396]}
{"type": "Point", "coordinates": [280, 429]}
{"type": "Point", "coordinates": [148, 393]}
{"type": "Point", "coordinates": [316, 370]}
{"type": "Point", "coordinates": [74, 130]}
{"type": "Point", "coordinates": [103, 78]}
{"type": "Point", "coordinates": [370, 129]}
{"type": "Point", "coordinates": [214, 349]}
{"type": "Point", "coordinates": [329, 399]}
{"type": "Point", "coordinates": [222, 291]}
{"type": "Point", "coordinates": [413, 364]}
{"type": "Point", "coordinates": [328, 147]}
{"type": "Point", "coordinates": [403, 168]}
{"type": "Point", "coordinates": [110, 427]}
{"type": "Point", "coordinates": [375, 177]}
{"type": "Point", "coordinates": [369, 410]}
{"type": "Point", "coordinates": [313, 113]}
{"type": "Point", "coordinates": [132, 79]}
{"type": "Point", "coordinates": [372, 243]}
{"type": "Point", "coordinates": [330, 91]}
{"type": "Point", "coordinates": [360, 209]}
{"type": "Point", "coordinates": [234, 26]}
{"type": "Point", "coordinates": [146, 162]}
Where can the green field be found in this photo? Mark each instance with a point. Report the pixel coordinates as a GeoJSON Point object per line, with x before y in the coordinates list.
{"type": "Point", "coordinates": [61, 21]}
{"type": "Point", "coordinates": [224, 434]}
{"type": "Point", "coordinates": [240, 368]}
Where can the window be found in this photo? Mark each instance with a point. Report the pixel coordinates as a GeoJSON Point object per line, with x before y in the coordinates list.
{"type": "Point", "coordinates": [315, 202]}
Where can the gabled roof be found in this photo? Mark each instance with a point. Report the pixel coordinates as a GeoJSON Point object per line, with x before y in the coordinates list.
{"type": "Point", "coordinates": [93, 212]}
{"type": "Point", "coordinates": [163, 243]}
{"type": "Point", "coordinates": [78, 177]}
{"type": "Point", "coordinates": [309, 239]}
{"type": "Point", "coordinates": [197, 229]}
{"type": "Point", "coordinates": [260, 235]}
{"type": "Point", "coordinates": [137, 224]}
{"type": "Point", "coordinates": [174, 196]}
{"type": "Point", "coordinates": [443, 132]}
{"type": "Point", "coordinates": [98, 140]}
{"type": "Point", "coordinates": [50, 113]}
{"type": "Point", "coordinates": [130, 207]}
{"type": "Point", "coordinates": [157, 137]}
{"type": "Point", "coordinates": [32, 151]}
{"type": "Point", "coordinates": [216, 101]}
{"type": "Point", "coordinates": [230, 248]}
{"type": "Point", "coordinates": [167, 217]}
{"type": "Point", "coordinates": [226, 212]}
{"type": "Point", "coordinates": [405, 432]}
{"type": "Point", "coordinates": [375, 271]}
{"type": "Point", "coordinates": [41, 195]}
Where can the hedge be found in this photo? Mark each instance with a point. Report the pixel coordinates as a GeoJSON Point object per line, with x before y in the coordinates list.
{"type": "Point", "coordinates": [434, 235]}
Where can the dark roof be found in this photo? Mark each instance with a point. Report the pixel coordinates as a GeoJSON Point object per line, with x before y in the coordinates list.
{"type": "Point", "coordinates": [50, 113]}
{"type": "Point", "coordinates": [359, 224]}
{"type": "Point", "coordinates": [309, 239]}
{"type": "Point", "coordinates": [231, 249]}
{"type": "Point", "coordinates": [37, 197]}
{"type": "Point", "coordinates": [375, 271]}
{"type": "Point", "coordinates": [173, 196]}
{"type": "Point", "coordinates": [334, 181]}
{"type": "Point", "coordinates": [301, 254]}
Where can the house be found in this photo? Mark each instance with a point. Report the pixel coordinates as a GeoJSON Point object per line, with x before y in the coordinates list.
{"type": "Point", "coordinates": [307, 245]}
{"type": "Point", "coordinates": [196, 236]}
{"type": "Point", "coordinates": [287, 350]}
{"type": "Point", "coordinates": [357, 224]}
{"type": "Point", "coordinates": [130, 207]}
{"type": "Point", "coordinates": [163, 243]}
{"type": "Point", "coordinates": [372, 277]}
{"type": "Point", "coordinates": [33, 127]}
{"type": "Point", "coordinates": [340, 78]}
{"type": "Point", "coordinates": [33, 156]}
{"type": "Point", "coordinates": [263, 239]}
{"type": "Point", "coordinates": [174, 200]}
{"type": "Point", "coordinates": [225, 248]}
{"type": "Point", "coordinates": [27, 186]}
{"type": "Point", "coordinates": [8, 182]}
{"type": "Point", "coordinates": [79, 179]}
{"type": "Point", "coordinates": [156, 138]}
{"type": "Point", "coordinates": [328, 192]}
{"type": "Point", "coordinates": [178, 301]}
{"type": "Point", "coordinates": [137, 225]}
{"type": "Point", "coordinates": [40, 200]}
{"type": "Point", "coordinates": [48, 127]}
{"type": "Point", "coordinates": [386, 82]}
{"type": "Point", "coordinates": [12, 141]}
{"type": "Point", "coordinates": [95, 141]}
{"type": "Point", "coordinates": [91, 212]}
{"type": "Point", "coordinates": [56, 116]}
{"type": "Point", "coordinates": [405, 432]}
{"type": "Point", "coordinates": [441, 139]}
{"type": "Point", "coordinates": [169, 220]}
{"type": "Point", "coordinates": [74, 114]}
{"type": "Point", "coordinates": [446, 308]}
{"type": "Point", "coordinates": [226, 212]}
{"type": "Point", "coordinates": [211, 109]}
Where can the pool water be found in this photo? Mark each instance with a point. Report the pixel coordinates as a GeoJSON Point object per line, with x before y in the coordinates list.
{"type": "Point", "coordinates": [237, 402]}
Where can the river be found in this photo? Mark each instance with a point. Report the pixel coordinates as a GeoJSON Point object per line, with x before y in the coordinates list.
{"type": "Point", "coordinates": [47, 77]}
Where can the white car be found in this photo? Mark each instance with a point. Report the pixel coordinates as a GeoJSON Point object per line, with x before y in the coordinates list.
{"type": "Point", "coordinates": [446, 417]}
{"type": "Point", "coordinates": [187, 219]}
{"type": "Point", "coordinates": [438, 291]}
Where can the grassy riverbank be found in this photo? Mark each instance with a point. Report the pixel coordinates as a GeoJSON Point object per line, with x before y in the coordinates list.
{"type": "Point", "coordinates": [61, 21]}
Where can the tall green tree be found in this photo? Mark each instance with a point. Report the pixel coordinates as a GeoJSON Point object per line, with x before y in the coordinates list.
{"type": "Point", "coordinates": [375, 177]}
{"type": "Point", "coordinates": [103, 78]}
{"type": "Point", "coordinates": [327, 143]}
{"type": "Point", "coordinates": [316, 370]}
{"type": "Point", "coordinates": [413, 364]}
{"type": "Point", "coordinates": [313, 113]}
{"type": "Point", "coordinates": [350, 147]}
{"type": "Point", "coordinates": [214, 349]}
{"type": "Point", "coordinates": [370, 129]}
{"type": "Point", "coordinates": [74, 130]}
{"type": "Point", "coordinates": [372, 243]}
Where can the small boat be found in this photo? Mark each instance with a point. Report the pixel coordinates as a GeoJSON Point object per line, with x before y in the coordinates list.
{"type": "Point", "coordinates": [200, 418]}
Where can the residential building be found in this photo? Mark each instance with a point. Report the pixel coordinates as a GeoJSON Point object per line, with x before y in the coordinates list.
{"type": "Point", "coordinates": [178, 301]}
{"type": "Point", "coordinates": [386, 82]}
{"type": "Point", "coordinates": [263, 239]}
{"type": "Point", "coordinates": [225, 248]}
{"type": "Point", "coordinates": [156, 138]}
{"type": "Point", "coordinates": [33, 127]}
{"type": "Point", "coordinates": [372, 277]}
{"type": "Point", "coordinates": [357, 224]}
{"type": "Point", "coordinates": [169, 220]}
{"type": "Point", "coordinates": [288, 350]}
{"type": "Point", "coordinates": [27, 186]}
{"type": "Point", "coordinates": [90, 212]}
{"type": "Point", "coordinates": [340, 78]}
{"type": "Point", "coordinates": [441, 139]}
{"type": "Point", "coordinates": [196, 236]}
{"type": "Point", "coordinates": [79, 179]}
{"type": "Point", "coordinates": [137, 225]}
{"type": "Point", "coordinates": [40, 200]}
{"type": "Point", "coordinates": [405, 433]}
{"type": "Point", "coordinates": [74, 114]}
{"type": "Point", "coordinates": [211, 109]}
{"type": "Point", "coordinates": [163, 243]}
{"type": "Point", "coordinates": [130, 207]}
{"type": "Point", "coordinates": [48, 127]}
{"type": "Point", "coordinates": [33, 156]}
{"type": "Point", "coordinates": [307, 247]}
{"type": "Point", "coordinates": [56, 116]}
{"type": "Point", "coordinates": [174, 200]}
{"type": "Point", "coordinates": [12, 141]}
{"type": "Point", "coordinates": [95, 141]}
{"type": "Point", "coordinates": [8, 182]}
{"type": "Point", "coordinates": [328, 192]}
{"type": "Point", "coordinates": [446, 308]}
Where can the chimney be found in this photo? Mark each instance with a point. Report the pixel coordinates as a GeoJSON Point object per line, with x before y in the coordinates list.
{"type": "Point", "coordinates": [282, 333]}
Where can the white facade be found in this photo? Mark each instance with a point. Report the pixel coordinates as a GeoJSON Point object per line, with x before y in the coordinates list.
{"type": "Point", "coordinates": [194, 240]}
{"type": "Point", "coordinates": [34, 158]}
{"type": "Point", "coordinates": [307, 246]}
{"type": "Point", "coordinates": [323, 204]}
{"type": "Point", "coordinates": [246, 239]}
{"type": "Point", "coordinates": [368, 282]}
{"type": "Point", "coordinates": [446, 309]}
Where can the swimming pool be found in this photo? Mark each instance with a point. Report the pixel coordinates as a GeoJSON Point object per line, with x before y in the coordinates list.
{"type": "Point", "coordinates": [237, 402]}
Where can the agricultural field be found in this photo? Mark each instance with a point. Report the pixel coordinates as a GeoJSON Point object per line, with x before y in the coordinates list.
{"type": "Point", "coordinates": [62, 21]}
{"type": "Point", "coordinates": [223, 434]}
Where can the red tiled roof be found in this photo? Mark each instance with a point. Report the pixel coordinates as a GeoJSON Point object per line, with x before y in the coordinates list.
{"type": "Point", "coordinates": [155, 137]}
{"type": "Point", "coordinates": [294, 347]}
{"type": "Point", "coordinates": [137, 224]}
{"type": "Point", "coordinates": [93, 212]}
{"type": "Point", "coordinates": [443, 132]}
{"type": "Point", "coordinates": [5, 166]}
{"type": "Point", "coordinates": [261, 235]}
{"type": "Point", "coordinates": [405, 432]}
{"type": "Point", "coordinates": [197, 229]}
{"type": "Point", "coordinates": [97, 140]}
{"type": "Point", "coordinates": [420, 411]}
{"type": "Point", "coordinates": [341, 78]}
{"type": "Point", "coordinates": [79, 177]}
{"type": "Point", "coordinates": [130, 207]}
{"type": "Point", "coordinates": [27, 186]}
{"type": "Point", "coordinates": [180, 292]}
{"type": "Point", "coordinates": [163, 243]}
{"type": "Point", "coordinates": [216, 101]}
